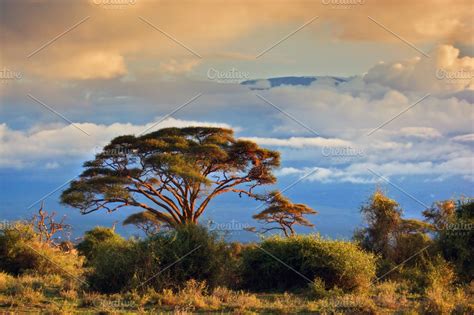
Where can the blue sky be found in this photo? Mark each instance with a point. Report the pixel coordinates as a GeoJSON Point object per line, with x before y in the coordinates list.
{"type": "Point", "coordinates": [399, 116]}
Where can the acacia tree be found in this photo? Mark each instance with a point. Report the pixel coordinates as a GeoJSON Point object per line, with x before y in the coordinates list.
{"type": "Point", "coordinates": [172, 173]}
{"type": "Point", "coordinates": [145, 221]}
{"type": "Point", "coordinates": [285, 214]}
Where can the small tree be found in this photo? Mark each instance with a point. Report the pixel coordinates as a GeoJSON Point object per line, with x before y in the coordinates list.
{"type": "Point", "coordinates": [388, 234]}
{"type": "Point", "coordinates": [285, 214]}
{"type": "Point", "coordinates": [172, 173]}
{"type": "Point", "coordinates": [383, 217]}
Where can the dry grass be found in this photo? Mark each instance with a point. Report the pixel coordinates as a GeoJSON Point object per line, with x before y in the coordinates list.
{"type": "Point", "coordinates": [57, 294]}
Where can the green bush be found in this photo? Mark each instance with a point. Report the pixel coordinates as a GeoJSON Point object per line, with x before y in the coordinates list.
{"type": "Point", "coordinates": [21, 250]}
{"type": "Point", "coordinates": [189, 252]}
{"type": "Point", "coordinates": [289, 263]}
{"type": "Point", "coordinates": [167, 260]}
{"type": "Point", "coordinates": [114, 265]}
{"type": "Point", "coordinates": [89, 246]}
{"type": "Point", "coordinates": [111, 260]}
{"type": "Point", "coordinates": [456, 240]}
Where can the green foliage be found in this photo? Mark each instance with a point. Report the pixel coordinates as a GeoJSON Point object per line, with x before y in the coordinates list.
{"type": "Point", "coordinates": [91, 244]}
{"type": "Point", "coordinates": [441, 214]}
{"type": "Point", "coordinates": [202, 256]}
{"type": "Point", "coordinates": [455, 235]}
{"type": "Point", "coordinates": [21, 250]}
{"type": "Point", "coordinates": [383, 217]}
{"type": "Point", "coordinates": [283, 214]}
{"type": "Point", "coordinates": [145, 221]}
{"type": "Point", "coordinates": [167, 260]}
{"type": "Point", "coordinates": [416, 276]}
{"type": "Point", "coordinates": [338, 263]}
{"type": "Point", "coordinates": [114, 265]}
{"type": "Point", "coordinates": [395, 239]}
{"type": "Point", "coordinates": [112, 259]}
{"type": "Point", "coordinates": [409, 244]}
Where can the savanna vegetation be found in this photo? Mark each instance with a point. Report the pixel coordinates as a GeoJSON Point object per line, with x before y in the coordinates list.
{"type": "Point", "coordinates": [392, 265]}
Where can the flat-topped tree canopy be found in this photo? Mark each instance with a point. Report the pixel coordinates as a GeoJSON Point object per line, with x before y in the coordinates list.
{"type": "Point", "coordinates": [283, 214]}
{"type": "Point", "coordinates": [173, 173]}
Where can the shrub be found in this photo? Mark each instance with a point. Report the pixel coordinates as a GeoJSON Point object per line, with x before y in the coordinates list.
{"type": "Point", "coordinates": [417, 278]}
{"type": "Point", "coordinates": [288, 263]}
{"type": "Point", "coordinates": [189, 252]}
{"type": "Point", "coordinates": [22, 251]}
{"type": "Point", "coordinates": [15, 256]}
{"type": "Point", "coordinates": [111, 258]}
{"type": "Point", "coordinates": [167, 260]}
{"type": "Point", "coordinates": [456, 240]}
{"type": "Point", "coordinates": [89, 246]}
{"type": "Point", "coordinates": [442, 296]}
{"type": "Point", "coordinates": [114, 263]}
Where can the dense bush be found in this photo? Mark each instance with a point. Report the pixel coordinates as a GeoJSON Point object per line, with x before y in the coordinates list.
{"type": "Point", "coordinates": [93, 239]}
{"type": "Point", "coordinates": [166, 260]}
{"type": "Point", "coordinates": [288, 263]}
{"type": "Point", "coordinates": [192, 252]}
{"type": "Point", "coordinates": [414, 255]}
{"type": "Point", "coordinates": [113, 260]}
{"type": "Point", "coordinates": [456, 240]}
{"type": "Point", "coordinates": [21, 250]}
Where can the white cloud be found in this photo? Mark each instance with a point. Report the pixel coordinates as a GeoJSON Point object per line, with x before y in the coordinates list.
{"type": "Point", "coordinates": [420, 132]}
{"type": "Point", "coordinates": [52, 146]}
{"type": "Point", "coordinates": [443, 71]}
{"type": "Point", "coordinates": [301, 142]}
{"type": "Point", "coordinates": [368, 172]}
{"type": "Point", "coordinates": [464, 138]}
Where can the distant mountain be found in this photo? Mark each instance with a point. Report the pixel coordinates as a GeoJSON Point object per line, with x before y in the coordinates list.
{"type": "Point", "coordinates": [264, 84]}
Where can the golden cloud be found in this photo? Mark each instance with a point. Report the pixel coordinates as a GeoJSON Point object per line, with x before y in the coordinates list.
{"type": "Point", "coordinates": [115, 33]}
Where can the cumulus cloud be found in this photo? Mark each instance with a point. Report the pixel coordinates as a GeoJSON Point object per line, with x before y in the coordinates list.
{"type": "Point", "coordinates": [444, 71]}
{"type": "Point", "coordinates": [355, 108]}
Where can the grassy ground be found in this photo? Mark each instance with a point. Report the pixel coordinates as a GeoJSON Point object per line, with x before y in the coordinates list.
{"type": "Point", "coordinates": [31, 293]}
